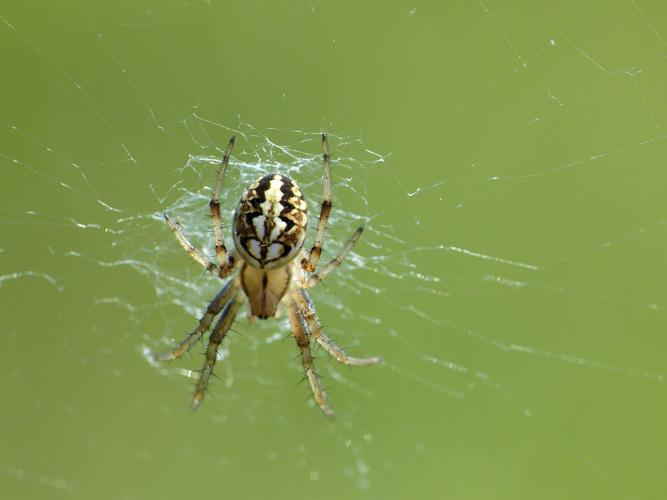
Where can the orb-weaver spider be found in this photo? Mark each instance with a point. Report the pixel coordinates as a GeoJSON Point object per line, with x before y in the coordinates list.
{"type": "Point", "coordinates": [269, 230]}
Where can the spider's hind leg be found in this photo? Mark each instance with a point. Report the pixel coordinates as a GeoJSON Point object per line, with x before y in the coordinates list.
{"type": "Point", "coordinates": [303, 341]}
{"type": "Point", "coordinates": [217, 336]}
{"type": "Point", "coordinates": [307, 312]}
{"type": "Point", "coordinates": [214, 307]}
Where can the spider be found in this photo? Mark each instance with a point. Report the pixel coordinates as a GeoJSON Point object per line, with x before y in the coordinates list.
{"type": "Point", "coordinates": [269, 230]}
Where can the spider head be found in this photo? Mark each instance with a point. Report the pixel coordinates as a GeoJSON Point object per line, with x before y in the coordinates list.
{"type": "Point", "coordinates": [270, 222]}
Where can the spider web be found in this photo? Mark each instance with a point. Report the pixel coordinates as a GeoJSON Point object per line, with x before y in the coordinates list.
{"type": "Point", "coordinates": [450, 282]}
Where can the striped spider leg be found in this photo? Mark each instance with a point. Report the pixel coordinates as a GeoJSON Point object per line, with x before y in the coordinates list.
{"type": "Point", "coordinates": [218, 334]}
{"type": "Point", "coordinates": [225, 260]}
{"type": "Point", "coordinates": [314, 279]}
{"type": "Point", "coordinates": [310, 263]}
{"type": "Point", "coordinates": [306, 325]}
{"type": "Point", "coordinates": [300, 333]}
{"type": "Point", "coordinates": [301, 302]}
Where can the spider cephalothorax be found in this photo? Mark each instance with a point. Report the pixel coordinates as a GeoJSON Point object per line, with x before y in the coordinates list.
{"type": "Point", "coordinates": [269, 230]}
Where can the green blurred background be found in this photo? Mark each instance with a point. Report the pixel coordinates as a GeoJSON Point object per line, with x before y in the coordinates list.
{"type": "Point", "coordinates": [511, 159]}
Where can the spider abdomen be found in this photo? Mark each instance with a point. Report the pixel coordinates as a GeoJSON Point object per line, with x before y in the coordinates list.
{"type": "Point", "coordinates": [270, 222]}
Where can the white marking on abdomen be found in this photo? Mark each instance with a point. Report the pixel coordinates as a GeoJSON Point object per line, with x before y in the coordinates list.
{"type": "Point", "coordinates": [277, 228]}
{"type": "Point", "coordinates": [254, 248]}
{"type": "Point", "coordinates": [275, 251]}
{"type": "Point", "coordinates": [258, 224]}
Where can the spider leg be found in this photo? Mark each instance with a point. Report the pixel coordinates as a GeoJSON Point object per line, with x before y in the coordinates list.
{"type": "Point", "coordinates": [204, 261]}
{"type": "Point", "coordinates": [214, 307]}
{"type": "Point", "coordinates": [307, 312]}
{"type": "Point", "coordinates": [303, 341]}
{"type": "Point", "coordinates": [314, 279]}
{"type": "Point", "coordinates": [225, 261]}
{"type": "Point", "coordinates": [219, 332]}
{"type": "Point", "coordinates": [310, 263]}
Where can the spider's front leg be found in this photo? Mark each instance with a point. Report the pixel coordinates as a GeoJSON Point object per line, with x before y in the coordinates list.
{"type": "Point", "coordinates": [310, 264]}
{"type": "Point", "coordinates": [190, 249]}
{"type": "Point", "coordinates": [225, 260]}
{"type": "Point", "coordinates": [314, 279]}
